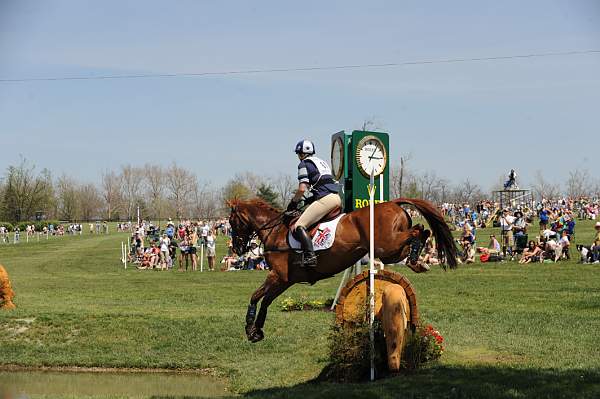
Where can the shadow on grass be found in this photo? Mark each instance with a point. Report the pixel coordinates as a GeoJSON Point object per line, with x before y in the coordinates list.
{"type": "Point", "coordinates": [455, 382]}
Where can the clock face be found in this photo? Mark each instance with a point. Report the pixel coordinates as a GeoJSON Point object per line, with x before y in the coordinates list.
{"type": "Point", "coordinates": [371, 155]}
{"type": "Point", "coordinates": [337, 158]}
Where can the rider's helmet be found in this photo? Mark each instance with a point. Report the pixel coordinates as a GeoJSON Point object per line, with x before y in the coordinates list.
{"type": "Point", "coordinates": [305, 147]}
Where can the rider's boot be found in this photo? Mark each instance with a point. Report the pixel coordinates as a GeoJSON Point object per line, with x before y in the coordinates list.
{"type": "Point", "coordinates": [309, 257]}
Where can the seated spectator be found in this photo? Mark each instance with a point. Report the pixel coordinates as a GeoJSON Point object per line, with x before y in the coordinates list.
{"type": "Point", "coordinates": [565, 245]}
{"type": "Point", "coordinates": [467, 234]}
{"type": "Point", "coordinates": [254, 256]}
{"type": "Point", "coordinates": [492, 248]}
{"type": "Point", "coordinates": [430, 253]}
{"type": "Point", "coordinates": [531, 253]}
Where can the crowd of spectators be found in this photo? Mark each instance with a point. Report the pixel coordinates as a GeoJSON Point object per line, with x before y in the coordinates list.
{"type": "Point", "coordinates": [178, 246]}
{"type": "Point", "coordinates": [551, 243]}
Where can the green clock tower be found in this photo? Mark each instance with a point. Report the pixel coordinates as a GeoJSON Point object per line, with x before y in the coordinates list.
{"type": "Point", "coordinates": [353, 158]}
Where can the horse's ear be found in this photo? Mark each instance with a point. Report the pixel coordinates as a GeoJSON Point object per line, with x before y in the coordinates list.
{"type": "Point", "coordinates": [230, 204]}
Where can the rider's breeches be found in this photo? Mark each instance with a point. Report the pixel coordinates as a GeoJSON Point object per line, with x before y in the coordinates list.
{"type": "Point", "coordinates": [318, 209]}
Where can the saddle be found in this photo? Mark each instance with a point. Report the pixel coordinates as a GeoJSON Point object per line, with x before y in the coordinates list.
{"type": "Point", "coordinates": [312, 229]}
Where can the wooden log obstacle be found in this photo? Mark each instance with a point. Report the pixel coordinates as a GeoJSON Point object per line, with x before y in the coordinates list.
{"type": "Point", "coordinates": [395, 307]}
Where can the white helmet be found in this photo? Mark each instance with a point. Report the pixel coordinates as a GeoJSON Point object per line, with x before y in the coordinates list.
{"type": "Point", "coordinates": [305, 147]}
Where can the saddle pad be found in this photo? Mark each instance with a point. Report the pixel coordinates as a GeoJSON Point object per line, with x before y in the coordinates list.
{"type": "Point", "coordinates": [323, 237]}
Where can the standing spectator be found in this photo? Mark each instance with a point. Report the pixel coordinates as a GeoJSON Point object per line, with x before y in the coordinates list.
{"type": "Point", "coordinates": [596, 245]}
{"type": "Point", "coordinates": [506, 224]}
{"type": "Point", "coordinates": [170, 231]}
{"type": "Point", "coordinates": [544, 217]}
{"type": "Point", "coordinates": [164, 251]}
{"type": "Point", "coordinates": [204, 232]}
{"type": "Point", "coordinates": [520, 226]}
{"type": "Point", "coordinates": [211, 250]}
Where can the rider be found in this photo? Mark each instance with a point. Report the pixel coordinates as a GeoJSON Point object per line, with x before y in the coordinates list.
{"type": "Point", "coordinates": [318, 188]}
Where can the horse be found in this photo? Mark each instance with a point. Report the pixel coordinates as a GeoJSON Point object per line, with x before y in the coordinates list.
{"type": "Point", "coordinates": [395, 240]}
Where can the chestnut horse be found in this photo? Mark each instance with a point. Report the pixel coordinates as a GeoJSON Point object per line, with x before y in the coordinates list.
{"type": "Point", "coordinates": [395, 240]}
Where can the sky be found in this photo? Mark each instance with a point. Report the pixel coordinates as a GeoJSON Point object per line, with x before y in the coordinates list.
{"type": "Point", "coordinates": [473, 120]}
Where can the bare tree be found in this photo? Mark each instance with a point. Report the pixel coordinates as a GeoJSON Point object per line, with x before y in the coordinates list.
{"type": "Point", "coordinates": [154, 177]}
{"type": "Point", "coordinates": [111, 192]}
{"type": "Point", "coordinates": [180, 185]}
{"type": "Point", "coordinates": [467, 192]}
{"type": "Point", "coordinates": [543, 188]}
{"type": "Point", "coordinates": [398, 177]}
{"type": "Point", "coordinates": [68, 203]}
{"type": "Point", "coordinates": [90, 201]}
{"type": "Point", "coordinates": [131, 178]}
{"type": "Point", "coordinates": [578, 183]}
{"type": "Point", "coordinates": [285, 186]}
{"type": "Point", "coordinates": [206, 201]}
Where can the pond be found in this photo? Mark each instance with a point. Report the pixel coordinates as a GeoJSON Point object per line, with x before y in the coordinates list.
{"type": "Point", "coordinates": [53, 384]}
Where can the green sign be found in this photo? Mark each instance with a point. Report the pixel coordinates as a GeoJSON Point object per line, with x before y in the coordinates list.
{"type": "Point", "coordinates": [353, 158]}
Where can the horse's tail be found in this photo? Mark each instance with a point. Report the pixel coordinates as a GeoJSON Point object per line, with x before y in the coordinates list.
{"type": "Point", "coordinates": [443, 237]}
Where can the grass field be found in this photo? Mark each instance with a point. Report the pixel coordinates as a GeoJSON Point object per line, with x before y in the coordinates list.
{"type": "Point", "coordinates": [511, 331]}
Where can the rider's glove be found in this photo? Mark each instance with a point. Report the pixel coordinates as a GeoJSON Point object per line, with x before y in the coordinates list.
{"type": "Point", "coordinates": [292, 206]}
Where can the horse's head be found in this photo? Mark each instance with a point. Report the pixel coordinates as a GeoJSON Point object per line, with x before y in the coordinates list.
{"type": "Point", "coordinates": [241, 230]}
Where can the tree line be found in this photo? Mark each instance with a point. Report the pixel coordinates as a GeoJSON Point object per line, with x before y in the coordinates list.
{"type": "Point", "coordinates": [173, 191]}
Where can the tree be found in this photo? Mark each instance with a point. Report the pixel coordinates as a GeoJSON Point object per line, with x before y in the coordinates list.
{"type": "Point", "coordinates": [266, 193]}
{"type": "Point", "coordinates": [235, 190]}
{"type": "Point", "coordinates": [111, 193]}
{"type": "Point", "coordinates": [68, 204]}
{"type": "Point", "coordinates": [544, 189]}
{"type": "Point", "coordinates": [90, 202]}
{"type": "Point", "coordinates": [154, 177]}
{"type": "Point", "coordinates": [131, 179]}
{"type": "Point", "coordinates": [578, 183]}
{"type": "Point", "coordinates": [181, 184]}
{"type": "Point", "coordinates": [285, 186]}
{"type": "Point", "coordinates": [26, 192]}
{"type": "Point", "coordinates": [398, 177]}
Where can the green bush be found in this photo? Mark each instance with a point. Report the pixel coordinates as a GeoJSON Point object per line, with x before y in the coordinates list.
{"type": "Point", "coordinates": [291, 304]}
{"type": "Point", "coordinates": [350, 353]}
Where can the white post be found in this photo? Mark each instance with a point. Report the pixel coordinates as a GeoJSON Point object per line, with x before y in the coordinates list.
{"type": "Point", "coordinates": [138, 215]}
{"type": "Point", "coordinates": [201, 257]}
{"type": "Point", "coordinates": [372, 271]}
{"type": "Point", "coordinates": [381, 187]}
{"type": "Point", "coordinates": [27, 239]}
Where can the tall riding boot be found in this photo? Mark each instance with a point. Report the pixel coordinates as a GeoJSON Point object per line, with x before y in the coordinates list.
{"type": "Point", "coordinates": [309, 257]}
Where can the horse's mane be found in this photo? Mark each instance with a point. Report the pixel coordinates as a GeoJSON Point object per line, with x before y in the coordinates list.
{"type": "Point", "coordinates": [254, 203]}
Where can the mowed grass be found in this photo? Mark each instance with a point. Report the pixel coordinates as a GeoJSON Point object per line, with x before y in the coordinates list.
{"type": "Point", "coordinates": [510, 330]}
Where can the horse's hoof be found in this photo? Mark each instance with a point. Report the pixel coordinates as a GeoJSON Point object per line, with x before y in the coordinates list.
{"type": "Point", "coordinates": [256, 335]}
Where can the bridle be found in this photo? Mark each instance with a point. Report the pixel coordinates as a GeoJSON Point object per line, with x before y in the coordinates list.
{"type": "Point", "coordinates": [268, 226]}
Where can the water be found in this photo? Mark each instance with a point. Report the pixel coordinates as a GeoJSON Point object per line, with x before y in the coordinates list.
{"type": "Point", "coordinates": [52, 384]}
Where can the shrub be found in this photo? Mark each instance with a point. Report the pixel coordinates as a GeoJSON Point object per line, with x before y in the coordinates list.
{"type": "Point", "coordinates": [291, 304]}
{"type": "Point", "coordinates": [349, 351]}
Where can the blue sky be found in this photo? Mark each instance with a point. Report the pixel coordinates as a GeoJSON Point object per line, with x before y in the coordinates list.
{"type": "Point", "coordinates": [475, 120]}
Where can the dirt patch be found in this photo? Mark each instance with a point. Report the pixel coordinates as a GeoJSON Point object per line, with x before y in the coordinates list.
{"type": "Point", "coordinates": [77, 369]}
{"type": "Point", "coordinates": [481, 355]}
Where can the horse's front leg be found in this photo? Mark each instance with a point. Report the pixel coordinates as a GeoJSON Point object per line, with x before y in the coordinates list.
{"type": "Point", "coordinates": [256, 333]}
{"type": "Point", "coordinates": [251, 313]}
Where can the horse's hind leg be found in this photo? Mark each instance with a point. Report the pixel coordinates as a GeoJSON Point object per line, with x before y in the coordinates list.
{"type": "Point", "coordinates": [273, 291]}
